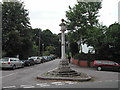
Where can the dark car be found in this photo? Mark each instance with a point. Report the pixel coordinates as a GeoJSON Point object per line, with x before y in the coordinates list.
{"type": "Point", "coordinates": [28, 62]}
{"type": "Point", "coordinates": [106, 65]}
{"type": "Point", "coordinates": [32, 62]}
{"type": "Point", "coordinates": [42, 59]}
{"type": "Point", "coordinates": [46, 59]}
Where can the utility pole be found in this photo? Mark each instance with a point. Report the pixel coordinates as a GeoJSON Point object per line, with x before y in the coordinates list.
{"type": "Point", "coordinates": [39, 44]}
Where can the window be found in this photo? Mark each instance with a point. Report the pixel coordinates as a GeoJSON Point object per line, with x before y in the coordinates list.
{"type": "Point", "coordinates": [5, 59]}
{"type": "Point", "coordinates": [38, 58]}
{"type": "Point", "coordinates": [98, 62]}
{"type": "Point", "coordinates": [111, 63]}
{"type": "Point", "coordinates": [105, 62]}
{"type": "Point", "coordinates": [11, 60]}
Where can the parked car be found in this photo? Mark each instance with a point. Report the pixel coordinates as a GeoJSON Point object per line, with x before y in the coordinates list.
{"type": "Point", "coordinates": [36, 59]}
{"type": "Point", "coordinates": [42, 59]}
{"type": "Point", "coordinates": [28, 62]}
{"type": "Point", "coordinates": [106, 65]}
{"type": "Point", "coordinates": [12, 63]}
{"type": "Point", "coordinates": [52, 57]}
{"type": "Point", "coordinates": [32, 62]}
{"type": "Point", "coordinates": [46, 58]}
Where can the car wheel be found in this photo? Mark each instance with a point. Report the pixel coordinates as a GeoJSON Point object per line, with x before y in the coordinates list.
{"type": "Point", "coordinates": [29, 64]}
{"type": "Point", "coordinates": [14, 67]}
{"type": "Point", "coordinates": [22, 66]}
{"type": "Point", "coordinates": [99, 68]}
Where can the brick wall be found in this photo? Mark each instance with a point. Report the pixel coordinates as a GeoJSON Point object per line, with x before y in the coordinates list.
{"type": "Point", "coordinates": [81, 62]}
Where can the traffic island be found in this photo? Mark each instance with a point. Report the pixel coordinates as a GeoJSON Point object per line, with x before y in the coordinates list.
{"type": "Point", "coordinates": [64, 72]}
{"type": "Point", "coordinates": [51, 76]}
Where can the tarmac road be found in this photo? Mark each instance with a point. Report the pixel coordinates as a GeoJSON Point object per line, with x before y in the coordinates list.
{"type": "Point", "coordinates": [26, 77]}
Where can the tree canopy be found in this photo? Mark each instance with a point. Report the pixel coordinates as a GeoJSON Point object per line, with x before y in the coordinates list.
{"type": "Point", "coordinates": [18, 36]}
{"type": "Point", "coordinates": [16, 29]}
{"type": "Point", "coordinates": [80, 19]}
{"type": "Point", "coordinates": [83, 27]}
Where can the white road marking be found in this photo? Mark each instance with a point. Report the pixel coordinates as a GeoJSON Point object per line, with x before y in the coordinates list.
{"type": "Point", "coordinates": [9, 87]}
{"type": "Point", "coordinates": [70, 82]}
{"type": "Point", "coordinates": [52, 70]}
{"type": "Point", "coordinates": [43, 84]}
{"type": "Point", "coordinates": [108, 80]}
{"type": "Point", "coordinates": [24, 85]}
{"type": "Point", "coordinates": [58, 83]}
{"type": "Point", "coordinates": [8, 75]}
{"type": "Point", "coordinates": [55, 82]}
{"type": "Point", "coordinates": [14, 73]}
{"type": "Point", "coordinates": [29, 87]}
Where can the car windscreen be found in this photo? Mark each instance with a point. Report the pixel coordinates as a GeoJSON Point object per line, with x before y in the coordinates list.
{"type": "Point", "coordinates": [4, 59]}
{"type": "Point", "coordinates": [40, 57]}
{"type": "Point", "coordinates": [32, 57]}
{"type": "Point", "coordinates": [105, 62]}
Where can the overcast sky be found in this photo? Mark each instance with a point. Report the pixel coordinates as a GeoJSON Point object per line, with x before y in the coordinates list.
{"type": "Point", "coordinates": [47, 14]}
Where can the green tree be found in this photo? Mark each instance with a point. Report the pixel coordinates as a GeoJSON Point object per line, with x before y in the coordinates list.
{"type": "Point", "coordinates": [74, 48]}
{"type": "Point", "coordinates": [44, 39]}
{"type": "Point", "coordinates": [51, 49]}
{"type": "Point", "coordinates": [113, 41]}
{"type": "Point", "coordinates": [50, 39]}
{"type": "Point", "coordinates": [96, 38]}
{"type": "Point", "coordinates": [38, 39]}
{"type": "Point", "coordinates": [105, 40]}
{"type": "Point", "coordinates": [16, 29]}
{"type": "Point", "coordinates": [81, 18]}
{"type": "Point", "coordinates": [47, 37]}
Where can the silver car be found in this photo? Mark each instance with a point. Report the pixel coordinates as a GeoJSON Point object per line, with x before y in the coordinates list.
{"type": "Point", "coordinates": [11, 63]}
{"type": "Point", "coordinates": [36, 59]}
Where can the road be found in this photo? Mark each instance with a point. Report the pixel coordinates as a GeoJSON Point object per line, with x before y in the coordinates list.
{"type": "Point", "coordinates": [26, 77]}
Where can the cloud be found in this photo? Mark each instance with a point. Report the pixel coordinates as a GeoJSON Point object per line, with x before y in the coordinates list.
{"type": "Point", "coordinates": [47, 14]}
{"type": "Point", "coordinates": [109, 12]}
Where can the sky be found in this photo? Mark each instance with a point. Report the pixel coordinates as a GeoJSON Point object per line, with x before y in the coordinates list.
{"type": "Point", "coordinates": [47, 14]}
